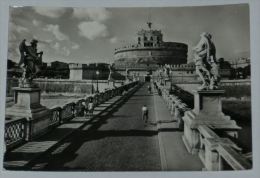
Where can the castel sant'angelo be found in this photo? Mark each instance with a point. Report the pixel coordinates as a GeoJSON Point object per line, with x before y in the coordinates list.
{"type": "Point", "coordinates": [141, 59]}
{"type": "Point", "coordinates": [149, 51]}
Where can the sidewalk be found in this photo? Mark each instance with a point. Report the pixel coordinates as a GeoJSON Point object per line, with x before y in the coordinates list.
{"type": "Point", "coordinates": [174, 156]}
{"type": "Point", "coordinates": [23, 156]}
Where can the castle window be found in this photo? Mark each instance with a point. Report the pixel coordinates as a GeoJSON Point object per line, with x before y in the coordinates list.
{"type": "Point", "coordinates": [145, 38]}
{"type": "Point", "coordinates": [151, 38]}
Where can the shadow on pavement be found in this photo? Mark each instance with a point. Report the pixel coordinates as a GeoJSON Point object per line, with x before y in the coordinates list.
{"type": "Point", "coordinates": [58, 161]}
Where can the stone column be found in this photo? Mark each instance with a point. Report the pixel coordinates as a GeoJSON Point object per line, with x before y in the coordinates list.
{"type": "Point", "coordinates": [207, 111]}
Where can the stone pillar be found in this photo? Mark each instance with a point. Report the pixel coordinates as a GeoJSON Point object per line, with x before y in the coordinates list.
{"type": "Point", "coordinates": [76, 71]}
{"type": "Point", "coordinates": [27, 104]}
{"type": "Point", "coordinates": [207, 111]}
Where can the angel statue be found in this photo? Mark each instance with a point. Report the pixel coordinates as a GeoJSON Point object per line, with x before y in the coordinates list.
{"type": "Point", "coordinates": [206, 64]}
{"type": "Point", "coordinates": [30, 62]}
{"type": "Point", "coordinates": [111, 71]}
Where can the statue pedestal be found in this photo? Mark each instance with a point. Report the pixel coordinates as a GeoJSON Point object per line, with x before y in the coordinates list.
{"type": "Point", "coordinates": [27, 104]}
{"type": "Point", "coordinates": [207, 111]}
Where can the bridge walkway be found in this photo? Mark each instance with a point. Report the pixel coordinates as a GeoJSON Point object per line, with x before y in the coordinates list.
{"type": "Point", "coordinates": [115, 140]}
{"type": "Point", "coordinates": [174, 155]}
{"type": "Point", "coordinates": [118, 140]}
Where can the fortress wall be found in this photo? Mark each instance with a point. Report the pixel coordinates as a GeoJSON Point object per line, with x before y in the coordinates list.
{"type": "Point", "coordinates": [152, 53]}
{"type": "Point", "coordinates": [63, 85]}
{"type": "Point", "coordinates": [233, 88]}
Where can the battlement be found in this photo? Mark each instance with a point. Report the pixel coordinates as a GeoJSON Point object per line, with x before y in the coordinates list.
{"type": "Point", "coordinates": [75, 66]}
{"type": "Point", "coordinates": [163, 45]}
{"type": "Point", "coordinates": [183, 67]}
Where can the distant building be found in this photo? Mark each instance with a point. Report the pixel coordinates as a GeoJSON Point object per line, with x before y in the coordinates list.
{"type": "Point", "coordinates": [148, 53]}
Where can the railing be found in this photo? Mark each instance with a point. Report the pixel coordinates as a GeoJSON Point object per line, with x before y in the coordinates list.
{"type": "Point", "coordinates": [15, 132]}
{"type": "Point", "coordinates": [79, 107]}
{"type": "Point", "coordinates": [176, 105]}
{"type": "Point", "coordinates": [19, 130]}
{"type": "Point", "coordinates": [67, 112]}
{"type": "Point", "coordinates": [55, 118]}
{"type": "Point", "coordinates": [218, 153]}
{"type": "Point", "coordinates": [215, 152]}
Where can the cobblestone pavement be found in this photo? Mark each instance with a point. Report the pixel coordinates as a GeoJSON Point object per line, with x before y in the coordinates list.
{"type": "Point", "coordinates": [117, 141]}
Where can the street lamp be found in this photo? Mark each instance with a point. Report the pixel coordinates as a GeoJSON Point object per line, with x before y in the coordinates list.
{"type": "Point", "coordinates": [97, 73]}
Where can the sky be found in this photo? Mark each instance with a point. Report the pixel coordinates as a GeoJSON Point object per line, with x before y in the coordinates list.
{"type": "Point", "coordinates": [87, 35]}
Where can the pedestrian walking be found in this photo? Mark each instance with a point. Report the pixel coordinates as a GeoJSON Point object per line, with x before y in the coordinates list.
{"type": "Point", "coordinates": [90, 107]}
{"type": "Point", "coordinates": [145, 113]}
{"type": "Point", "coordinates": [149, 89]}
{"type": "Point", "coordinates": [85, 107]}
{"type": "Point", "coordinates": [159, 92]}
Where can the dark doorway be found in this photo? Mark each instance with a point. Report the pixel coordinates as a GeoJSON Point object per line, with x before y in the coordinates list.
{"type": "Point", "coordinates": [147, 78]}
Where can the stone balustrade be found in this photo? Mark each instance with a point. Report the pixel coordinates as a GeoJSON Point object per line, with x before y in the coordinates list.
{"type": "Point", "coordinates": [219, 153]}
{"type": "Point", "coordinates": [216, 153]}
{"type": "Point", "coordinates": [175, 104]}
{"type": "Point", "coordinates": [18, 130]}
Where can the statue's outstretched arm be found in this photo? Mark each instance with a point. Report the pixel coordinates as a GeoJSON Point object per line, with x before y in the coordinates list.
{"type": "Point", "coordinates": [200, 46]}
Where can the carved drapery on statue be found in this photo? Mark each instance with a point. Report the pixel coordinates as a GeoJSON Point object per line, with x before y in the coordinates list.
{"type": "Point", "coordinates": [206, 64]}
{"type": "Point", "coordinates": [30, 62]}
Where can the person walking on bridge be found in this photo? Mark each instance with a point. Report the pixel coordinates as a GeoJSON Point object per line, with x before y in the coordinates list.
{"type": "Point", "coordinates": [145, 113]}
{"type": "Point", "coordinates": [90, 107]}
{"type": "Point", "coordinates": [149, 89]}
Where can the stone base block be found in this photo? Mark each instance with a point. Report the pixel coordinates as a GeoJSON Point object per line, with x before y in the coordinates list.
{"type": "Point", "coordinates": [27, 104]}
{"type": "Point", "coordinates": [207, 111]}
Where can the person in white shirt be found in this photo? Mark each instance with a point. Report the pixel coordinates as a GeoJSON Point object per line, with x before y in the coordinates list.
{"type": "Point", "coordinates": [145, 113]}
{"type": "Point", "coordinates": [90, 107]}
{"type": "Point", "coordinates": [149, 89]}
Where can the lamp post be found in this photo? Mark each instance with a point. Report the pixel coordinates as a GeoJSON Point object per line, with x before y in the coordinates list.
{"type": "Point", "coordinates": [97, 73]}
{"type": "Point", "coordinates": [92, 84]}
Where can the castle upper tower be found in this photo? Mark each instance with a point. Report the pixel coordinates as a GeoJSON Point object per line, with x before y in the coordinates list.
{"type": "Point", "coordinates": [150, 50]}
{"type": "Point", "coordinates": [149, 37]}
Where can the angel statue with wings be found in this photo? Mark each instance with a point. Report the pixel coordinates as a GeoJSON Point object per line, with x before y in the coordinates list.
{"type": "Point", "coordinates": [30, 62]}
{"type": "Point", "coordinates": [206, 64]}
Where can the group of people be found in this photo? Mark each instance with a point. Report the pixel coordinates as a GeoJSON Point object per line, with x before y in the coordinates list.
{"type": "Point", "coordinates": [87, 108]}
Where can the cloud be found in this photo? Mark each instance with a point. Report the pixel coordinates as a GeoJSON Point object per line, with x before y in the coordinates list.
{"type": "Point", "coordinates": [12, 37]}
{"type": "Point", "coordinates": [92, 14]}
{"type": "Point", "coordinates": [92, 30]}
{"type": "Point", "coordinates": [36, 23]}
{"type": "Point", "coordinates": [56, 46]}
{"type": "Point", "coordinates": [53, 12]}
{"type": "Point", "coordinates": [113, 40]}
{"type": "Point", "coordinates": [55, 30]}
{"type": "Point", "coordinates": [21, 29]}
{"type": "Point", "coordinates": [75, 46]}
{"type": "Point", "coordinates": [18, 28]}
{"type": "Point", "coordinates": [65, 51]}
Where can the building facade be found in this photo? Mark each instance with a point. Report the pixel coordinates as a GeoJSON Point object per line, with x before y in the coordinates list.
{"type": "Point", "coordinates": [148, 53]}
